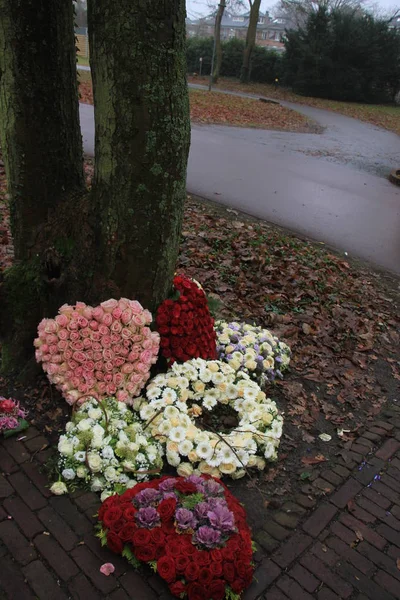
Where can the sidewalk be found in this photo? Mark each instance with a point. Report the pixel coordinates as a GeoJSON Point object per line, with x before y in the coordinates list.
{"type": "Point", "coordinates": [345, 547]}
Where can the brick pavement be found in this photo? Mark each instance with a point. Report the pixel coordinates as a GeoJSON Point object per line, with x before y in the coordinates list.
{"type": "Point", "coordinates": [346, 546]}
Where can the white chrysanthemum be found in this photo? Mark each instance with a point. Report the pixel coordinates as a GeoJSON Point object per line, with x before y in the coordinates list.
{"type": "Point", "coordinates": [276, 428]}
{"type": "Point", "coordinates": [201, 436]}
{"type": "Point", "coordinates": [147, 412]}
{"type": "Point", "coordinates": [142, 440]}
{"type": "Point", "coordinates": [250, 393]}
{"type": "Point", "coordinates": [68, 474]}
{"type": "Point", "coordinates": [181, 406]}
{"type": "Point", "coordinates": [204, 450]}
{"type": "Point", "coordinates": [177, 434]}
{"type": "Point", "coordinates": [226, 455]}
{"type": "Point", "coordinates": [185, 447]}
{"type": "Point", "coordinates": [164, 427]}
{"type": "Point", "coordinates": [169, 395]}
{"type": "Point", "coordinates": [231, 391]}
{"type": "Point", "coordinates": [269, 451]}
{"type": "Point", "coordinates": [153, 393]}
{"type": "Point", "coordinates": [209, 402]}
{"type": "Point", "coordinates": [171, 412]}
{"type": "Point", "coordinates": [205, 375]}
{"type": "Point", "coordinates": [173, 458]}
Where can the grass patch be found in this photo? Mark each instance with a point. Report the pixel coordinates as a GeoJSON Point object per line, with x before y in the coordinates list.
{"type": "Point", "coordinates": [83, 60]}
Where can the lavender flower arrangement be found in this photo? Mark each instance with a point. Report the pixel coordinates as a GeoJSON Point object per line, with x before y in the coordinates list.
{"type": "Point", "coordinates": [12, 417]}
{"type": "Point", "coordinates": [252, 350]}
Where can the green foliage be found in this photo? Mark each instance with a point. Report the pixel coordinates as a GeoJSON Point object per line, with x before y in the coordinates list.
{"type": "Point", "coordinates": [130, 557]}
{"type": "Point", "coordinates": [343, 55]}
{"type": "Point", "coordinates": [102, 535]}
{"type": "Point", "coordinates": [190, 502]}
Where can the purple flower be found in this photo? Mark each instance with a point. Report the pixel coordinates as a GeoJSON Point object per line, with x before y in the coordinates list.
{"type": "Point", "coordinates": [278, 359]}
{"type": "Point", "coordinates": [212, 488]}
{"type": "Point", "coordinates": [167, 485]}
{"type": "Point", "coordinates": [201, 510]}
{"type": "Point", "coordinates": [147, 497]}
{"type": "Point", "coordinates": [234, 339]}
{"type": "Point", "coordinates": [222, 518]}
{"type": "Point", "coordinates": [185, 519]}
{"type": "Point", "coordinates": [207, 536]}
{"type": "Point", "coordinates": [195, 479]}
{"type": "Point", "coordinates": [214, 502]}
{"type": "Point", "coordinates": [147, 517]}
{"type": "Point", "coordinates": [169, 495]}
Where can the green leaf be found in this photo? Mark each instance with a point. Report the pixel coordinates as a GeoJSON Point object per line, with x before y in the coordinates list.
{"type": "Point", "coordinates": [305, 475]}
{"type": "Point", "coordinates": [22, 425]}
{"type": "Point", "coordinates": [153, 565]}
{"type": "Point", "coordinates": [128, 554]}
{"type": "Point", "coordinates": [191, 501]}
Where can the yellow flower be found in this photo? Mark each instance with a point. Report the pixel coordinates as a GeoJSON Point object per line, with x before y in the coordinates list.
{"type": "Point", "coordinates": [227, 468]}
{"type": "Point", "coordinates": [267, 418]}
{"type": "Point", "coordinates": [205, 467]}
{"type": "Point", "coordinates": [250, 364]}
{"type": "Point", "coordinates": [191, 432]}
{"type": "Point", "coordinates": [214, 368]}
{"type": "Point", "coordinates": [195, 410]}
{"type": "Point", "coordinates": [185, 469]}
{"type": "Point", "coordinates": [192, 456]}
{"type": "Point", "coordinates": [199, 386]}
{"type": "Point", "coordinates": [172, 447]}
{"type": "Point", "coordinates": [172, 382]}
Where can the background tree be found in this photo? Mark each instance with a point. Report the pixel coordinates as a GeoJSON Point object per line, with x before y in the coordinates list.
{"type": "Point", "coordinates": [122, 238]}
{"type": "Point", "coordinates": [217, 41]}
{"type": "Point", "coordinates": [250, 40]}
{"type": "Point", "coordinates": [296, 12]}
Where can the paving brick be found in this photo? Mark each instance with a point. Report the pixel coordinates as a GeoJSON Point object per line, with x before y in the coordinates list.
{"type": "Point", "coordinates": [43, 582]}
{"type": "Point", "coordinates": [343, 533]}
{"type": "Point", "coordinates": [304, 578]}
{"type": "Point", "coordinates": [3, 514]}
{"type": "Point", "coordinates": [28, 492]}
{"type": "Point", "coordinates": [58, 528]}
{"type": "Point", "coordinates": [378, 486]}
{"type": "Point", "coordinates": [320, 570]}
{"type": "Point", "coordinates": [344, 551]}
{"type": "Point", "coordinates": [275, 530]}
{"type": "Point", "coordinates": [30, 433]}
{"type": "Point", "coordinates": [40, 480]}
{"type": "Point", "coordinates": [395, 510]}
{"type": "Point", "coordinates": [345, 493]}
{"type": "Point", "coordinates": [359, 513]}
{"type": "Point", "coordinates": [24, 517]}
{"type": "Point", "coordinates": [391, 482]}
{"type": "Point", "coordinates": [388, 583]}
{"type": "Point", "coordinates": [12, 582]}
{"type": "Point", "coordinates": [119, 595]}
{"type": "Point", "coordinates": [105, 555]}
{"type": "Point", "coordinates": [305, 501]}
{"type": "Point", "coordinates": [378, 431]}
{"type": "Point", "coordinates": [363, 441]}
{"type": "Point", "coordinates": [68, 511]}
{"type": "Point", "coordinates": [17, 450]}
{"type": "Point", "coordinates": [386, 517]}
{"type": "Point", "coordinates": [90, 565]}
{"type": "Point", "coordinates": [379, 559]}
{"type": "Point", "coordinates": [319, 519]}
{"type": "Point", "coordinates": [342, 471]}
{"type": "Point", "coordinates": [368, 534]}
{"type": "Point", "coordinates": [292, 507]}
{"type": "Point", "coordinates": [376, 497]}
{"type": "Point", "coordinates": [266, 541]}
{"type": "Point", "coordinates": [91, 514]}
{"type": "Point", "coordinates": [57, 558]}
{"type": "Point", "coordinates": [17, 544]}
{"type": "Point", "coordinates": [88, 500]}
{"type": "Point", "coordinates": [389, 534]}
{"type": "Point", "coordinates": [393, 472]}
{"type": "Point", "coordinates": [323, 485]}
{"type": "Point", "coordinates": [366, 472]}
{"type": "Point", "coordinates": [383, 425]}
{"type": "Point", "coordinates": [275, 594]}
{"type": "Point", "coordinates": [291, 549]}
{"type": "Point", "coordinates": [288, 520]}
{"type": "Point", "coordinates": [7, 463]}
{"type": "Point", "coordinates": [80, 588]}
{"type": "Point", "coordinates": [37, 444]}
{"type": "Point", "coordinates": [5, 488]}
{"type": "Point", "coordinates": [327, 555]}
{"type": "Point", "coordinates": [395, 462]}
{"type": "Point", "coordinates": [362, 583]}
{"type": "Point", "coordinates": [133, 581]}
{"type": "Point", "coordinates": [393, 552]}
{"type": "Point", "coordinates": [374, 437]}
{"type": "Point", "coordinates": [292, 589]}
{"type": "Point", "coordinates": [44, 455]}
{"type": "Point", "coordinates": [360, 449]}
{"type": "Point", "coordinates": [326, 594]}
{"type": "Point", "coordinates": [388, 449]}
{"type": "Point", "coordinates": [332, 477]}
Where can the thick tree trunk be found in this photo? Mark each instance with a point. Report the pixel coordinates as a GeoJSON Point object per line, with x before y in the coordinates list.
{"type": "Point", "coordinates": [137, 54]}
{"type": "Point", "coordinates": [42, 150]}
{"type": "Point", "coordinates": [218, 47]}
{"type": "Point", "coordinates": [250, 41]}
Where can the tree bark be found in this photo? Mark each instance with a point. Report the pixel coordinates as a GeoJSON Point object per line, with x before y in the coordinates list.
{"type": "Point", "coordinates": [42, 151]}
{"type": "Point", "coordinates": [137, 56]}
{"type": "Point", "coordinates": [218, 47]}
{"type": "Point", "coordinates": [250, 40]}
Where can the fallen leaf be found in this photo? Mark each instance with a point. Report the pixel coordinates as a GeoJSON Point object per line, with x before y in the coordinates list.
{"type": "Point", "coordinates": [325, 437]}
{"type": "Point", "coordinates": [359, 535]}
{"type": "Point", "coordinates": [313, 460]}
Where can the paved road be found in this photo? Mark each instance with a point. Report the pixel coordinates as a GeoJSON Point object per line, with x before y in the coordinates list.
{"type": "Point", "coordinates": [331, 186]}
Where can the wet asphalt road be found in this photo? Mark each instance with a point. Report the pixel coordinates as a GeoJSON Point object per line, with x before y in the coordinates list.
{"type": "Point", "coordinates": [330, 186]}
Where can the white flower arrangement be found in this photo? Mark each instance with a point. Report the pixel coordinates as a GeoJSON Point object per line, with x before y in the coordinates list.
{"type": "Point", "coordinates": [106, 448]}
{"type": "Point", "coordinates": [175, 400]}
{"type": "Point", "coordinates": [252, 350]}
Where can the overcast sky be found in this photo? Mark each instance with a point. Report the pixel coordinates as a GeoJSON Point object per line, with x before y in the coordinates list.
{"type": "Point", "coordinates": [200, 7]}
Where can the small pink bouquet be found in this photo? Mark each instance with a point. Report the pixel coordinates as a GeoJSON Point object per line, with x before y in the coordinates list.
{"type": "Point", "coordinates": [99, 351]}
{"type": "Point", "coordinates": [12, 417]}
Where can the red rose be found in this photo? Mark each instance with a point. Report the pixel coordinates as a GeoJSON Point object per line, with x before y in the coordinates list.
{"type": "Point", "coordinates": [185, 487]}
{"type": "Point", "coordinates": [7, 406]}
{"type": "Point", "coordinates": [129, 513]}
{"type": "Point", "coordinates": [112, 515]}
{"type": "Point", "coordinates": [166, 568]}
{"type": "Point", "coordinates": [146, 553]}
{"type": "Point", "coordinates": [205, 576]}
{"type": "Point", "coordinates": [192, 571]}
{"type": "Point", "coordinates": [157, 535]}
{"type": "Point", "coordinates": [114, 542]}
{"type": "Point", "coordinates": [195, 591]}
{"type": "Point", "coordinates": [229, 572]}
{"type": "Point", "coordinates": [168, 527]}
{"type": "Point", "coordinates": [117, 525]}
{"type": "Point", "coordinates": [177, 588]}
{"type": "Point", "coordinates": [108, 503]}
{"type": "Point", "coordinates": [216, 555]}
{"type": "Point", "coordinates": [202, 558]}
{"type": "Point", "coordinates": [174, 547]}
{"type": "Point", "coordinates": [217, 589]}
{"type": "Point", "coordinates": [166, 509]}
{"type": "Point", "coordinates": [181, 562]}
{"type": "Point", "coordinates": [141, 537]}
{"type": "Point", "coordinates": [160, 551]}
{"type": "Point", "coordinates": [127, 531]}
{"type": "Point", "coordinates": [238, 585]}
{"type": "Point", "coordinates": [227, 553]}
{"type": "Point", "coordinates": [216, 568]}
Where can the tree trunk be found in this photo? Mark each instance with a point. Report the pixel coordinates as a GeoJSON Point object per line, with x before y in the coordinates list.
{"type": "Point", "coordinates": [218, 47]}
{"type": "Point", "coordinates": [42, 151]}
{"type": "Point", "coordinates": [137, 55]}
{"type": "Point", "coordinates": [250, 40]}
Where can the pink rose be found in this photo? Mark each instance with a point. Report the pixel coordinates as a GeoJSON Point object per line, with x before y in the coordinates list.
{"type": "Point", "coordinates": [57, 358]}
{"type": "Point", "coordinates": [117, 312]}
{"type": "Point", "coordinates": [109, 305]}
{"type": "Point", "coordinates": [98, 356]}
{"type": "Point", "coordinates": [126, 316]}
{"type": "Point", "coordinates": [116, 327]}
{"type": "Point", "coordinates": [139, 320]}
{"type": "Point", "coordinates": [135, 306]}
{"type": "Point", "coordinates": [132, 388]}
{"type": "Point", "coordinates": [68, 354]}
{"type": "Point", "coordinates": [69, 374]}
{"type": "Point", "coordinates": [98, 365]}
{"type": "Point", "coordinates": [74, 336]}
{"type": "Point", "coordinates": [138, 339]}
{"type": "Point", "coordinates": [97, 347]}
{"type": "Point", "coordinates": [127, 368]}
{"type": "Point", "coordinates": [44, 348]}
{"type": "Point", "coordinates": [126, 343]}
{"type": "Point", "coordinates": [79, 357]}
{"type": "Point", "coordinates": [118, 379]}
{"type": "Point", "coordinates": [126, 333]}
{"type": "Point", "coordinates": [108, 354]}
{"type": "Point", "coordinates": [46, 357]}
{"type": "Point", "coordinates": [142, 368]}
{"type": "Point", "coordinates": [105, 341]}
{"type": "Point", "coordinates": [147, 344]}
{"type": "Point", "coordinates": [101, 388]}
{"type": "Point", "coordinates": [83, 388]}
{"type": "Point", "coordinates": [146, 332]}
{"type": "Point", "coordinates": [147, 316]}
{"type": "Point", "coordinates": [132, 356]}
{"type": "Point", "coordinates": [117, 348]}
{"type": "Point", "coordinates": [124, 351]}
{"type": "Point", "coordinates": [136, 378]}
{"type": "Point", "coordinates": [95, 336]}
{"type": "Point", "coordinates": [122, 396]}
{"type": "Point", "coordinates": [80, 306]}
{"type": "Point", "coordinates": [98, 313]}
{"type": "Point", "coordinates": [99, 375]}
{"type": "Point", "coordinates": [115, 338]}
{"type": "Point", "coordinates": [51, 339]}
{"type": "Point", "coordinates": [61, 320]}
{"type": "Point", "coordinates": [89, 365]}
{"type": "Point", "coordinates": [72, 396]}
{"type": "Point", "coordinates": [90, 355]}
{"type": "Point", "coordinates": [93, 325]}
{"type": "Point", "coordinates": [52, 369]}
{"type": "Point", "coordinates": [155, 337]}
{"type": "Point", "coordinates": [111, 389]}
{"type": "Point", "coordinates": [77, 346]}
{"type": "Point", "coordinates": [87, 343]}
{"type": "Point", "coordinates": [50, 326]}
{"type": "Point", "coordinates": [63, 367]}
{"type": "Point", "coordinates": [87, 312]}
{"type": "Point", "coordinates": [53, 349]}
{"type": "Point", "coordinates": [108, 366]}
{"type": "Point", "coordinates": [118, 362]}
{"type": "Point", "coordinates": [75, 382]}
{"type": "Point", "coordinates": [107, 319]}
{"type": "Point", "coordinates": [85, 332]}
{"type": "Point", "coordinates": [108, 377]}
{"type": "Point", "coordinates": [146, 356]}
{"type": "Point", "coordinates": [103, 330]}
{"type": "Point", "coordinates": [66, 310]}
{"type": "Point", "coordinates": [72, 326]}
{"type": "Point", "coordinates": [78, 371]}
{"type": "Point", "coordinates": [82, 322]}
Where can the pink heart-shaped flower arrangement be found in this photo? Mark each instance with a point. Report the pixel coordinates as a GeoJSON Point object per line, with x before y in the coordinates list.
{"type": "Point", "coordinates": [103, 351]}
